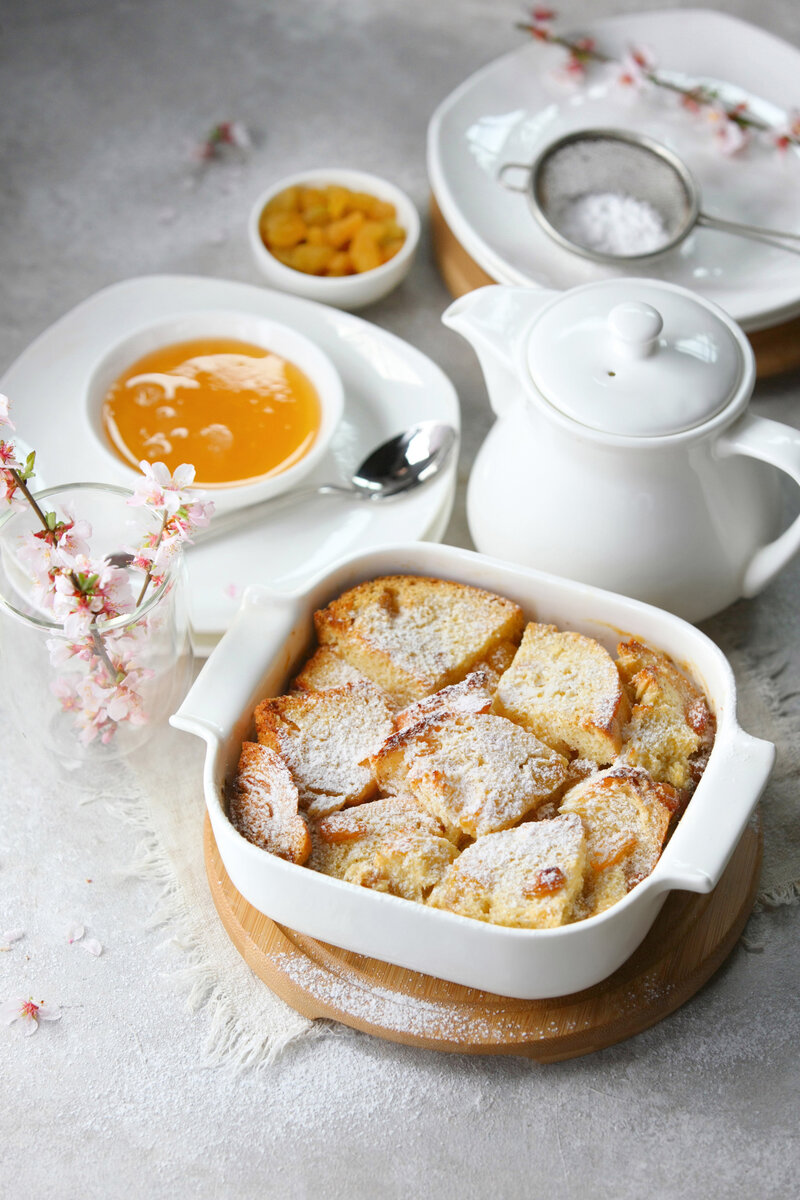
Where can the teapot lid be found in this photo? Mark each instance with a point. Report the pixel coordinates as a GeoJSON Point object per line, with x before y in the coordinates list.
{"type": "Point", "coordinates": [635, 357]}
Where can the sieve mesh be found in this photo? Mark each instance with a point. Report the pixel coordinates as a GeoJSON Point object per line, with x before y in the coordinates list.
{"type": "Point", "coordinates": [599, 164]}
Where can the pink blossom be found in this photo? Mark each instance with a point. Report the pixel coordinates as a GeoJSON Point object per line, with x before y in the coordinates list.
{"type": "Point", "coordinates": [72, 539]}
{"type": "Point", "coordinates": [102, 704]}
{"type": "Point", "coordinates": [8, 455]}
{"type": "Point", "coordinates": [788, 133]}
{"type": "Point", "coordinates": [4, 417]}
{"type": "Point", "coordinates": [159, 489]}
{"type": "Point", "coordinates": [730, 136]}
{"type": "Point", "coordinates": [28, 1011]}
{"type": "Point", "coordinates": [64, 691]}
{"type": "Point", "coordinates": [238, 135]}
{"type": "Point", "coordinates": [90, 945]}
{"type": "Point", "coordinates": [199, 513]}
{"type": "Point", "coordinates": [638, 63]}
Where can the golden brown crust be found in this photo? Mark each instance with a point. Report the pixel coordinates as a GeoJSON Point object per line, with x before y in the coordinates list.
{"type": "Point", "coordinates": [414, 635]}
{"type": "Point", "coordinates": [528, 877]}
{"type": "Point", "coordinates": [477, 772]}
{"type": "Point", "coordinates": [565, 688]}
{"type": "Point", "coordinates": [325, 738]}
{"type": "Point", "coordinates": [389, 845]}
{"type": "Point", "coordinates": [263, 804]}
{"type": "Point", "coordinates": [671, 728]}
{"type": "Point", "coordinates": [626, 815]}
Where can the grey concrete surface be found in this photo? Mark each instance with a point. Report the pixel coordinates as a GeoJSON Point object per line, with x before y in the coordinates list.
{"type": "Point", "coordinates": [100, 101]}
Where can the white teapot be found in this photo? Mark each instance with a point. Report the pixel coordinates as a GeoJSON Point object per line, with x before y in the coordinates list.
{"type": "Point", "coordinates": [623, 454]}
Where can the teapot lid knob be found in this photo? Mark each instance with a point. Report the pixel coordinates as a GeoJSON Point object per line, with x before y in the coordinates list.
{"type": "Point", "coordinates": [637, 358]}
{"type": "Point", "coordinates": [635, 327]}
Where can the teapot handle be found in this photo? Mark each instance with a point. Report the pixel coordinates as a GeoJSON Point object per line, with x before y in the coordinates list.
{"type": "Point", "coordinates": [779, 445]}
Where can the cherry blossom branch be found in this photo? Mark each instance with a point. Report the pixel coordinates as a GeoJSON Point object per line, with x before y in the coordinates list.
{"type": "Point", "coordinates": [149, 572]}
{"type": "Point", "coordinates": [638, 66]}
{"type": "Point", "coordinates": [23, 487]}
{"type": "Point", "coordinates": [81, 592]}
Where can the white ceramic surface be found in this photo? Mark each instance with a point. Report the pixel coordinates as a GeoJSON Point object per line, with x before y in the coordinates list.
{"type": "Point", "coordinates": [388, 386]}
{"type": "Point", "coordinates": [683, 519]}
{"type": "Point", "coordinates": [511, 109]}
{"type": "Point", "coordinates": [347, 291]}
{"type": "Point", "coordinates": [242, 327]}
{"type": "Point", "coordinates": [271, 635]}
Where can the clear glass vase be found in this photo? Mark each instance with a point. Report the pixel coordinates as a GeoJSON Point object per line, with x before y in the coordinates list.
{"type": "Point", "coordinates": [95, 698]}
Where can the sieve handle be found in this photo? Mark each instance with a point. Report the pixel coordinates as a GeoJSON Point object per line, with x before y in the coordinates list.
{"type": "Point", "coordinates": [756, 233]}
{"type": "Point", "coordinates": [502, 176]}
{"type": "Point", "coordinates": [779, 445]}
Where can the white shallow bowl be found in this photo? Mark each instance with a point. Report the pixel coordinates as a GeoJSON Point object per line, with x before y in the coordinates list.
{"type": "Point", "coordinates": [269, 638]}
{"type": "Point", "coordinates": [242, 327]}
{"type": "Point", "coordinates": [347, 291]}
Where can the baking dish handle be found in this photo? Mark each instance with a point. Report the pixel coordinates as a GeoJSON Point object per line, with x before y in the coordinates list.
{"type": "Point", "coordinates": [230, 681]}
{"type": "Point", "coordinates": [701, 848]}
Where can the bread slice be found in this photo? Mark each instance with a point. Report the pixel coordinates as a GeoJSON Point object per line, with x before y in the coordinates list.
{"type": "Point", "coordinates": [263, 804]}
{"type": "Point", "coordinates": [390, 845]}
{"type": "Point", "coordinates": [471, 695]}
{"type": "Point", "coordinates": [626, 815]}
{"type": "Point", "coordinates": [496, 663]}
{"type": "Point", "coordinates": [414, 635]}
{"type": "Point", "coordinates": [478, 773]}
{"type": "Point", "coordinates": [324, 738]}
{"type": "Point", "coordinates": [325, 670]}
{"type": "Point", "coordinates": [671, 728]}
{"type": "Point", "coordinates": [565, 688]}
{"type": "Point", "coordinates": [527, 877]}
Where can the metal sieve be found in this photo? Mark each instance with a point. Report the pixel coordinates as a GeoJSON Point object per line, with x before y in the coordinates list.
{"type": "Point", "coordinates": [613, 164]}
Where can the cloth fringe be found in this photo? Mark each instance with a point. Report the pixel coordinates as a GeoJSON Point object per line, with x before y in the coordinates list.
{"type": "Point", "coordinates": [226, 1041]}
{"type": "Point", "coordinates": [778, 897]}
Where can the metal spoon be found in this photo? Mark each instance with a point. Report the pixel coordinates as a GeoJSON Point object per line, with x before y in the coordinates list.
{"type": "Point", "coordinates": [395, 467]}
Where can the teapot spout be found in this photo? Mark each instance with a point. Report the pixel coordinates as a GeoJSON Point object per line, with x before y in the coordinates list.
{"type": "Point", "coordinates": [494, 320]}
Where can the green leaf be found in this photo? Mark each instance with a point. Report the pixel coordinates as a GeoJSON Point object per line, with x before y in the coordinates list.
{"type": "Point", "coordinates": [51, 520]}
{"type": "Point", "coordinates": [29, 468]}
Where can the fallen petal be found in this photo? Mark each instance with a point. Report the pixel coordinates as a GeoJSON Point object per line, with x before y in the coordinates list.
{"type": "Point", "coordinates": [48, 1014]}
{"type": "Point", "coordinates": [30, 1026]}
{"type": "Point", "coordinates": [11, 1010]}
{"type": "Point", "coordinates": [75, 933]}
{"type": "Point", "coordinates": [13, 935]}
{"type": "Point", "coordinates": [93, 946]}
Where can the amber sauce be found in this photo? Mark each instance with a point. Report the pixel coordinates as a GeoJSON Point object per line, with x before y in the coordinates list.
{"type": "Point", "coordinates": [236, 412]}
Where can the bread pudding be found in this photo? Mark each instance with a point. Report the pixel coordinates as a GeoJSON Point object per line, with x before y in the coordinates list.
{"type": "Point", "coordinates": [436, 747]}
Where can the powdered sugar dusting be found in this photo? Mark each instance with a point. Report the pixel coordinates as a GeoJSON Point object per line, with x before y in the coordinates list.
{"type": "Point", "coordinates": [612, 223]}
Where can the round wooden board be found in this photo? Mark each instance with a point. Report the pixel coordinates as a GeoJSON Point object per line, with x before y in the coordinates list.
{"type": "Point", "coordinates": [776, 349]}
{"type": "Point", "coordinates": [688, 942]}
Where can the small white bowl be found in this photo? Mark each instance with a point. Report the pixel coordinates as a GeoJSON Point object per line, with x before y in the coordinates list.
{"type": "Point", "coordinates": [346, 291]}
{"type": "Point", "coordinates": [238, 326]}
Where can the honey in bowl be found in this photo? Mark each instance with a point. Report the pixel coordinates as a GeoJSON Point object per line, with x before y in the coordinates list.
{"type": "Point", "coordinates": [238, 412]}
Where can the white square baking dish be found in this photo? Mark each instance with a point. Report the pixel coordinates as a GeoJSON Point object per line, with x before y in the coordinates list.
{"type": "Point", "coordinates": [269, 638]}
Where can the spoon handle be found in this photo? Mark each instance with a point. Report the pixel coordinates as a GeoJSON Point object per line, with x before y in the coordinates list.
{"type": "Point", "coordinates": [756, 233]}
{"type": "Point", "coordinates": [230, 522]}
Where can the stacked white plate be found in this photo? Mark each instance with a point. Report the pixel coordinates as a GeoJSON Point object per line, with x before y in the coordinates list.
{"type": "Point", "coordinates": [511, 109]}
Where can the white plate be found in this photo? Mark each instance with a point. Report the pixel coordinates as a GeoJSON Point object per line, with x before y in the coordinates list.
{"type": "Point", "coordinates": [388, 386]}
{"type": "Point", "coordinates": [512, 108]}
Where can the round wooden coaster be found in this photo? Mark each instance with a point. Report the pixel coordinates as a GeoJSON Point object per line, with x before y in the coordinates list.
{"type": "Point", "coordinates": [776, 349]}
{"type": "Point", "coordinates": [688, 942]}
